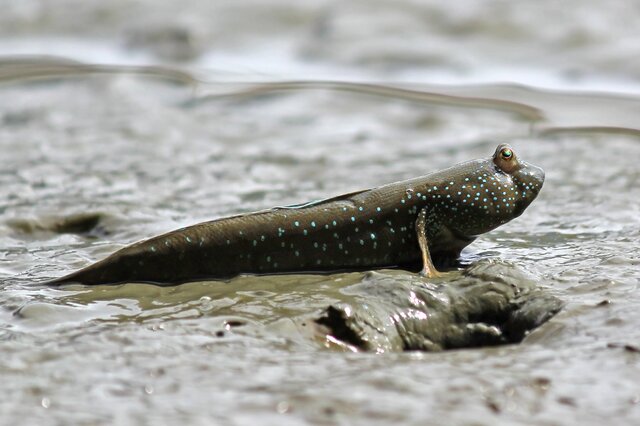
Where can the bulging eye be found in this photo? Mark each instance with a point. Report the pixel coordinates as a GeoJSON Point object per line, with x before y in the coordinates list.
{"type": "Point", "coordinates": [506, 154]}
{"type": "Point", "coordinates": [505, 159]}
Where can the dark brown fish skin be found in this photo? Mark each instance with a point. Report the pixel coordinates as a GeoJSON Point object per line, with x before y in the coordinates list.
{"type": "Point", "coordinates": [362, 230]}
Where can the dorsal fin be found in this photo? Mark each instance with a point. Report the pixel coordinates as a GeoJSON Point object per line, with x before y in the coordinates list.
{"type": "Point", "coordinates": [321, 201]}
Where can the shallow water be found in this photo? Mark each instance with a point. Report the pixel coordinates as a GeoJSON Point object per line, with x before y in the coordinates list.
{"type": "Point", "coordinates": [155, 150]}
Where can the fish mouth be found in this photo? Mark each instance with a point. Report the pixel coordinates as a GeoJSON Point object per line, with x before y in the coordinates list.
{"type": "Point", "coordinates": [533, 176]}
{"type": "Point", "coordinates": [530, 180]}
{"type": "Point", "coordinates": [538, 176]}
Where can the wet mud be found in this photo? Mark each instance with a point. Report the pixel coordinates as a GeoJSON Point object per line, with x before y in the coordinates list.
{"type": "Point", "coordinates": [486, 304]}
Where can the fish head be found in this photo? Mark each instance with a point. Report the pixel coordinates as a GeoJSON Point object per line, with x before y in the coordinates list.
{"type": "Point", "coordinates": [488, 193]}
{"type": "Point", "coordinates": [523, 181]}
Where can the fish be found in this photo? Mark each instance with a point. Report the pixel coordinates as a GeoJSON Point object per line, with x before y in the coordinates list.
{"type": "Point", "coordinates": [405, 224]}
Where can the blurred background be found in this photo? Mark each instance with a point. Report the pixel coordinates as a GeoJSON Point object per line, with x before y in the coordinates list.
{"type": "Point", "coordinates": [545, 44]}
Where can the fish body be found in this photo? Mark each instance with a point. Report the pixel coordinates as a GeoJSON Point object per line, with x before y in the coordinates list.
{"type": "Point", "coordinates": [362, 230]}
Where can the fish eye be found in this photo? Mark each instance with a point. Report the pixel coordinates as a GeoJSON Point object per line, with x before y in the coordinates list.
{"type": "Point", "coordinates": [505, 159]}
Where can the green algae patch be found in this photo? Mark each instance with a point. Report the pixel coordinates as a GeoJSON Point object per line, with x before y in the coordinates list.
{"type": "Point", "coordinates": [79, 223]}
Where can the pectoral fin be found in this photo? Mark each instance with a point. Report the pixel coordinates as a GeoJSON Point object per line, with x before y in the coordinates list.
{"type": "Point", "coordinates": [428, 270]}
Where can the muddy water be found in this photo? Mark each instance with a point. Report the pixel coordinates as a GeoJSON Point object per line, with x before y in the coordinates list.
{"type": "Point", "coordinates": [143, 151]}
